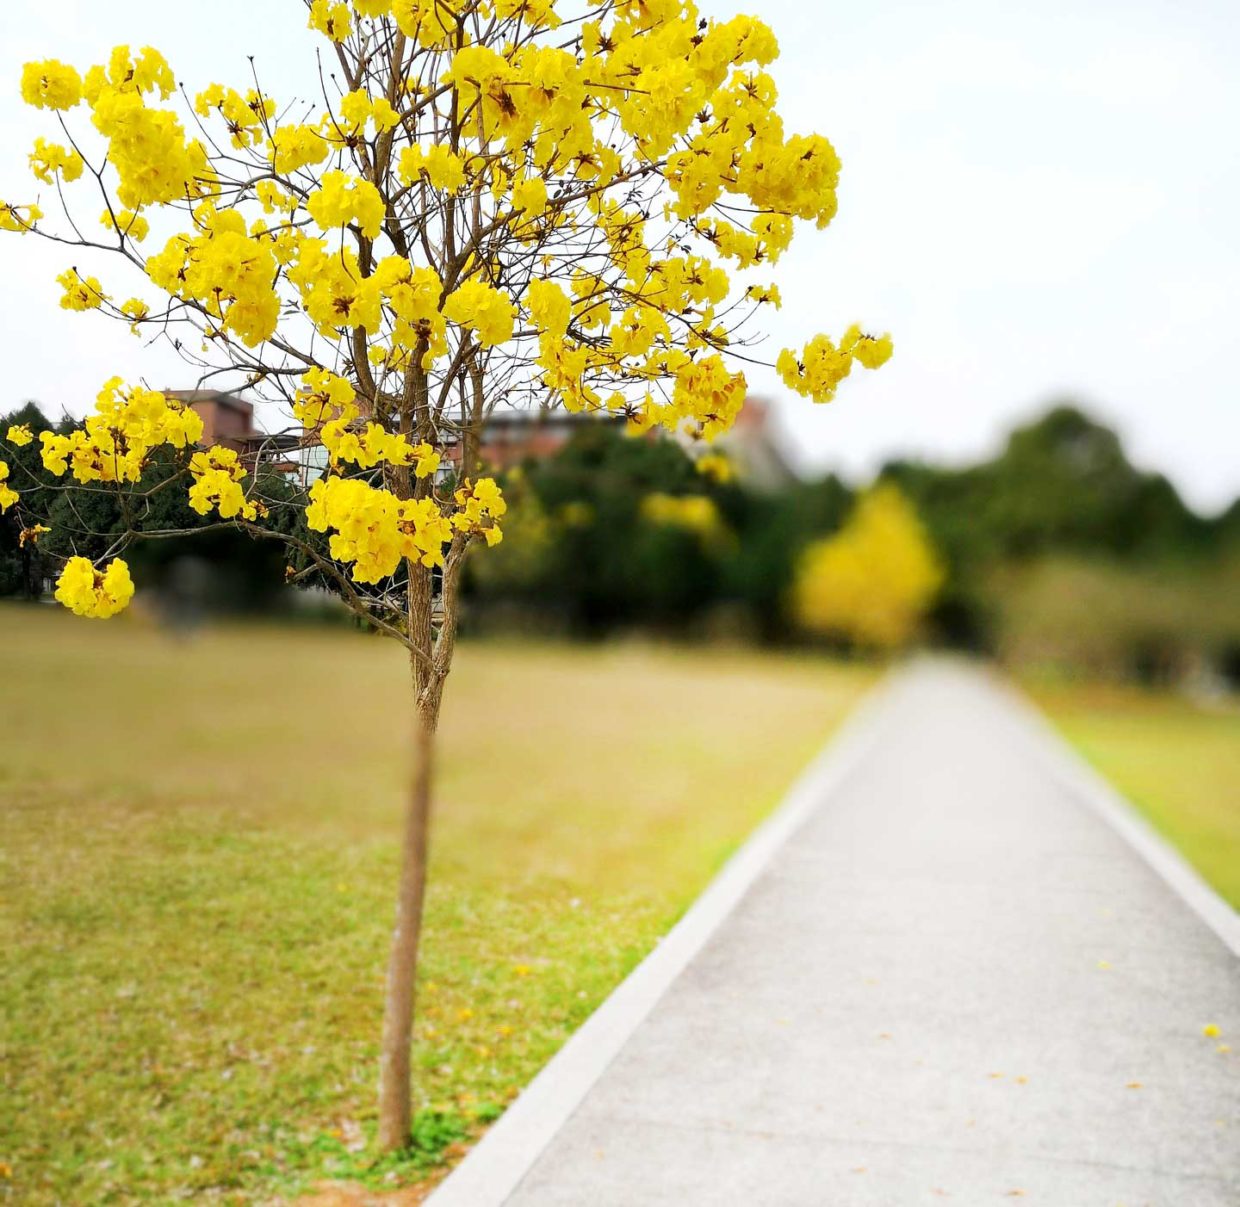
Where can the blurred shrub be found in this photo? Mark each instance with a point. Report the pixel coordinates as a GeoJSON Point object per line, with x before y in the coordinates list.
{"type": "Point", "coordinates": [872, 582]}
{"type": "Point", "coordinates": [1105, 619]}
{"type": "Point", "coordinates": [582, 549]}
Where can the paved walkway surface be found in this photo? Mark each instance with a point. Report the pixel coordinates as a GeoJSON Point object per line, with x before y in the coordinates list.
{"type": "Point", "coordinates": [954, 983]}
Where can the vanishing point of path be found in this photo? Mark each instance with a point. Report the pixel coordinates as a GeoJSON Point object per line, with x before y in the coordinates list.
{"type": "Point", "coordinates": [954, 982]}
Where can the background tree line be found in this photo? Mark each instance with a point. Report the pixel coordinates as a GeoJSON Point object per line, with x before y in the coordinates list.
{"type": "Point", "coordinates": [1057, 551]}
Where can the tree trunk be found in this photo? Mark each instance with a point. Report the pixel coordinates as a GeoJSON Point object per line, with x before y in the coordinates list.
{"type": "Point", "coordinates": [395, 1111]}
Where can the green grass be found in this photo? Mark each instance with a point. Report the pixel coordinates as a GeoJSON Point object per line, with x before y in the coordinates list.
{"type": "Point", "coordinates": [1177, 761]}
{"type": "Point", "coordinates": [198, 865]}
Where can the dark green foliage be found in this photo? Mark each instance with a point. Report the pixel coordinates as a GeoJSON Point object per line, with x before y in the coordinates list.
{"type": "Point", "coordinates": [23, 566]}
{"type": "Point", "coordinates": [223, 568]}
{"type": "Point", "coordinates": [772, 530]}
{"type": "Point", "coordinates": [1062, 485]}
{"type": "Point", "coordinates": [613, 568]}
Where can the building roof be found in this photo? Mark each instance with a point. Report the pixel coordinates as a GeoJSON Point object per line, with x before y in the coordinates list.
{"type": "Point", "coordinates": [227, 398]}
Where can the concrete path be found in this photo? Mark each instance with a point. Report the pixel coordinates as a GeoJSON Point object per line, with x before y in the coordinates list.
{"type": "Point", "coordinates": [954, 982]}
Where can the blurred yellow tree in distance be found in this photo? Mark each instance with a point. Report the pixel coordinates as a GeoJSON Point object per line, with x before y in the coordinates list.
{"type": "Point", "coordinates": [874, 579]}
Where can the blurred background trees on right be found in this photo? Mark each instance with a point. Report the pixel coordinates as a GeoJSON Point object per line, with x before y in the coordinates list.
{"type": "Point", "coordinates": [1057, 554]}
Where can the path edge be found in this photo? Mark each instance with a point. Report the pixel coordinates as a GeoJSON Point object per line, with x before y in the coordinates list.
{"type": "Point", "coordinates": [496, 1165]}
{"type": "Point", "coordinates": [1086, 783]}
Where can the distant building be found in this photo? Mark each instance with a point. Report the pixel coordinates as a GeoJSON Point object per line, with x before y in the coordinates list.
{"type": "Point", "coordinates": [511, 437]}
{"type": "Point", "coordinates": [508, 438]}
{"type": "Point", "coordinates": [228, 420]}
{"type": "Point", "coordinates": [754, 446]}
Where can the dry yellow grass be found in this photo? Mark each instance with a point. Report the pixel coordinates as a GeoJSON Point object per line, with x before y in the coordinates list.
{"type": "Point", "coordinates": [199, 858]}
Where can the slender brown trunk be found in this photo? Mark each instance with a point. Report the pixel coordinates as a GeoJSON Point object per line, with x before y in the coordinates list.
{"type": "Point", "coordinates": [395, 1110]}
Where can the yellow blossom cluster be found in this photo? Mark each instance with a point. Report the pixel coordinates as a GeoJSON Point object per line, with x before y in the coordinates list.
{"type": "Point", "coordinates": [368, 446]}
{"type": "Point", "coordinates": [332, 18]}
{"type": "Point", "coordinates": [441, 167]}
{"type": "Point", "coordinates": [716, 466]}
{"type": "Point", "coordinates": [154, 160]}
{"type": "Point", "coordinates": [80, 293]}
{"type": "Point", "coordinates": [481, 505]}
{"type": "Point", "coordinates": [226, 270]}
{"type": "Point", "coordinates": [691, 513]}
{"type": "Point", "coordinates": [765, 293]}
{"type": "Point", "coordinates": [114, 443]}
{"type": "Point", "coordinates": [341, 199]}
{"type": "Point", "coordinates": [19, 435]}
{"type": "Point", "coordinates": [358, 107]}
{"type": "Point", "coordinates": [90, 592]}
{"type": "Point", "coordinates": [49, 160]}
{"type": "Point", "coordinates": [294, 147]}
{"type": "Point", "coordinates": [246, 116]}
{"type": "Point", "coordinates": [324, 396]}
{"type": "Point", "coordinates": [19, 218]}
{"type": "Point", "coordinates": [51, 84]}
{"type": "Point", "coordinates": [8, 496]}
{"type": "Point", "coordinates": [873, 580]}
{"type": "Point", "coordinates": [218, 474]}
{"type": "Point", "coordinates": [485, 310]}
{"type": "Point", "coordinates": [126, 222]}
{"type": "Point", "coordinates": [327, 405]}
{"type": "Point", "coordinates": [135, 310]}
{"type": "Point", "coordinates": [823, 364]}
{"type": "Point", "coordinates": [374, 530]}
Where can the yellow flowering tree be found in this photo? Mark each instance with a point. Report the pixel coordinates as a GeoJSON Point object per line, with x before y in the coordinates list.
{"type": "Point", "coordinates": [873, 580]}
{"type": "Point", "coordinates": [487, 203]}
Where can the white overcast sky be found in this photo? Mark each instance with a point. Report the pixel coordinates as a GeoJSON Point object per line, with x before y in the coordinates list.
{"type": "Point", "coordinates": [1039, 199]}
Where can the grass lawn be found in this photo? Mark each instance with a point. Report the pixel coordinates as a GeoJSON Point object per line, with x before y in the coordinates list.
{"type": "Point", "coordinates": [198, 864]}
{"type": "Point", "coordinates": [1177, 761]}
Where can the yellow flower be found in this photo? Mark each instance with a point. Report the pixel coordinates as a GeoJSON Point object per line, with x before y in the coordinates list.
{"type": "Point", "coordinates": [127, 223]}
{"type": "Point", "coordinates": [1211, 1031]}
{"type": "Point", "coordinates": [51, 85]}
{"type": "Point", "coordinates": [481, 505]}
{"type": "Point", "coordinates": [549, 306]}
{"type": "Point", "coordinates": [88, 592]}
{"type": "Point", "coordinates": [19, 434]}
{"type": "Point", "coordinates": [295, 147]}
{"type": "Point", "coordinates": [531, 196]}
{"type": "Point", "coordinates": [135, 309]}
{"type": "Point", "coordinates": [331, 18]}
{"type": "Point", "coordinates": [217, 474]}
{"type": "Point", "coordinates": [487, 311]}
{"type": "Point", "coordinates": [49, 159]}
{"type": "Point", "coordinates": [692, 513]}
{"type": "Point", "coordinates": [8, 496]}
{"type": "Point", "coordinates": [822, 364]}
{"type": "Point", "coordinates": [80, 293]}
{"type": "Point", "coordinates": [374, 529]}
{"type": "Point", "coordinates": [115, 441]}
{"type": "Point", "coordinates": [716, 467]}
{"type": "Point", "coordinates": [873, 580]}
{"type": "Point", "coordinates": [342, 198]}
{"type": "Point", "coordinates": [437, 163]}
{"type": "Point", "coordinates": [20, 218]}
